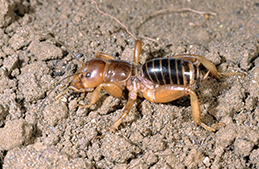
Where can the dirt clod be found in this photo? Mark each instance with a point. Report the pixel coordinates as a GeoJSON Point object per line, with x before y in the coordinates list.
{"type": "Point", "coordinates": [15, 133]}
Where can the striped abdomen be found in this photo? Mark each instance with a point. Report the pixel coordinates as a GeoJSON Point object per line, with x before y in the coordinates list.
{"type": "Point", "coordinates": [171, 71]}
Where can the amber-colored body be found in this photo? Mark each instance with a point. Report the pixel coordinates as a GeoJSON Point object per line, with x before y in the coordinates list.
{"type": "Point", "coordinates": [159, 81]}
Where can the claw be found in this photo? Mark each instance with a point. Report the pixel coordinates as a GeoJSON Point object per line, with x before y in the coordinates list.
{"type": "Point", "coordinates": [83, 106]}
{"type": "Point", "coordinates": [112, 130]}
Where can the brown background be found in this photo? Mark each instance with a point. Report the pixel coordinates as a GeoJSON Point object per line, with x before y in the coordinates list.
{"type": "Point", "coordinates": [153, 135]}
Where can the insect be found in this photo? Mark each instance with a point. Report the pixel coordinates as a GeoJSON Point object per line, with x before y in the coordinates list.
{"type": "Point", "coordinates": [159, 80]}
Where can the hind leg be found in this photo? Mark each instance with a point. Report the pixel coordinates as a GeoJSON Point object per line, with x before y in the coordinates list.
{"type": "Point", "coordinates": [197, 59]}
{"type": "Point", "coordinates": [167, 93]}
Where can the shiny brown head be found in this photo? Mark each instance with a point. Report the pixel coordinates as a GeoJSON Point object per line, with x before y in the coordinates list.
{"type": "Point", "coordinates": [89, 76]}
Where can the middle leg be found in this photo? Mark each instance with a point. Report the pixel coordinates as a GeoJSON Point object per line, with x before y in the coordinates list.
{"type": "Point", "coordinates": [126, 110]}
{"type": "Point", "coordinates": [104, 56]}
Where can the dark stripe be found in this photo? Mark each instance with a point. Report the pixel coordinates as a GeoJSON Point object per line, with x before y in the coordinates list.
{"type": "Point", "coordinates": [173, 70]}
{"type": "Point", "coordinates": [194, 73]}
{"type": "Point", "coordinates": [169, 71]}
{"type": "Point", "coordinates": [161, 69]}
{"type": "Point", "coordinates": [150, 70]}
{"type": "Point", "coordinates": [158, 72]}
{"type": "Point", "coordinates": [183, 71]}
{"type": "Point", "coordinates": [156, 68]}
{"type": "Point", "coordinates": [180, 72]}
{"type": "Point", "coordinates": [165, 70]}
{"type": "Point", "coordinates": [176, 73]}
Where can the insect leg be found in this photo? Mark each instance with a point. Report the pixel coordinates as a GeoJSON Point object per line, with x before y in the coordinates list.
{"type": "Point", "coordinates": [132, 97]}
{"type": "Point", "coordinates": [196, 113]}
{"type": "Point", "coordinates": [167, 93]}
{"type": "Point", "coordinates": [94, 98]}
{"type": "Point", "coordinates": [110, 88]}
{"type": "Point", "coordinates": [137, 51]}
{"type": "Point", "coordinates": [212, 68]}
{"type": "Point", "coordinates": [104, 56]}
{"type": "Point", "coordinates": [64, 92]}
{"type": "Point", "coordinates": [197, 59]}
{"type": "Point", "coordinates": [126, 111]}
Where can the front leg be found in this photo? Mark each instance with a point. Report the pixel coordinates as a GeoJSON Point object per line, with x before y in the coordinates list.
{"type": "Point", "coordinates": [94, 98]}
{"type": "Point", "coordinates": [110, 88]}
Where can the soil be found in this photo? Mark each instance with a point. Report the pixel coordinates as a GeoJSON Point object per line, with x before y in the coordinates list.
{"type": "Point", "coordinates": [39, 131]}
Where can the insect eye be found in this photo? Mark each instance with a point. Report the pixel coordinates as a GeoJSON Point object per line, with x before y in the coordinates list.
{"type": "Point", "coordinates": [88, 74]}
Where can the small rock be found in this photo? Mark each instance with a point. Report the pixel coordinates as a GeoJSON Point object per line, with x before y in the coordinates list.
{"type": "Point", "coordinates": [45, 51]}
{"type": "Point", "coordinates": [243, 146]}
{"type": "Point", "coordinates": [15, 133]}
{"type": "Point", "coordinates": [7, 13]}
{"type": "Point", "coordinates": [41, 156]}
{"type": "Point", "coordinates": [10, 63]}
{"type": "Point", "coordinates": [206, 161]}
{"type": "Point", "coordinates": [18, 41]}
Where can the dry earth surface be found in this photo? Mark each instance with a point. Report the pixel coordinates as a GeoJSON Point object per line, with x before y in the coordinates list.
{"type": "Point", "coordinates": [57, 135]}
